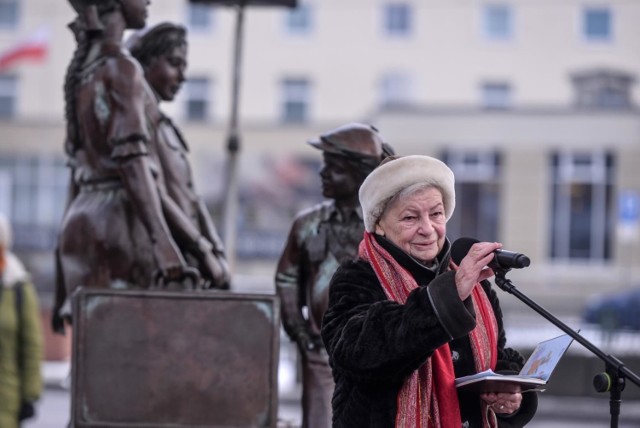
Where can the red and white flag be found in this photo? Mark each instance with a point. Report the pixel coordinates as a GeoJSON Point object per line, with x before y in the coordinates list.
{"type": "Point", "coordinates": [33, 48]}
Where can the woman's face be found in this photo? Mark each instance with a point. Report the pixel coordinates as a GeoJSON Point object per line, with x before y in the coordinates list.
{"type": "Point", "coordinates": [165, 74]}
{"type": "Point", "coordinates": [416, 223]}
{"type": "Point", "coordinates": [135, 13]}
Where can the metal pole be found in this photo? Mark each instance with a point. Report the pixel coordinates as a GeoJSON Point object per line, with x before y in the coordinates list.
{"type": "Point", "coordinates": [233, 147]}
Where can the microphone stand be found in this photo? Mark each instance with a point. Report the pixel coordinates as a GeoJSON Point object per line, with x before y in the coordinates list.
{"type": "Point", "coordinates": [615, 375]}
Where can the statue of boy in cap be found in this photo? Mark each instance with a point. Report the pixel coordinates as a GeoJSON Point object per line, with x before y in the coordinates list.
{"type": "Point", "coordinates": [320, 238]}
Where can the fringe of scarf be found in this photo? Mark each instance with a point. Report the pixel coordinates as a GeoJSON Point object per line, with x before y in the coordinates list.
{"type": "Point", "coordinates": [428, 398]}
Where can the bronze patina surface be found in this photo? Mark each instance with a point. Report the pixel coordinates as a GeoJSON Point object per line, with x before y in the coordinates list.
{"type": "Point", "coordinates": [169, 359]}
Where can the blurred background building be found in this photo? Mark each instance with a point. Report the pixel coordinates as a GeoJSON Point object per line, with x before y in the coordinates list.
{"type": "Point", "coordinates": [533, 104]}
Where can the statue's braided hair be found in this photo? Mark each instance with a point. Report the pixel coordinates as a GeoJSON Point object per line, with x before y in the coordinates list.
{"type": "Point", "coordinates": [71, 80]}
{"type": "Point", "coordinates": [85, 28]}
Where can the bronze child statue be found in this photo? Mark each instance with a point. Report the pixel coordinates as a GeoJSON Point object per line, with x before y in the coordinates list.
{"type": "Point", "coordinates": [320, 238]}
{"type": "Point", "coordinates": [162, 52]}
{"type": "Point", "coordinates": [121, 229]}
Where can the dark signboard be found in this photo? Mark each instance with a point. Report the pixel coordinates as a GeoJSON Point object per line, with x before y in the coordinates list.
{"type": "Point", "coordinates": [168, 359]}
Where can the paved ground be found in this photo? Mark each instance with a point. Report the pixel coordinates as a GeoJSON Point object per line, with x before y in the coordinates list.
{"type": "Point", "coordinates": [554, 412]}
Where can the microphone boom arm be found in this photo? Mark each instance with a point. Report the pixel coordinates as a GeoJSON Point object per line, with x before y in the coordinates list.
{"type": "Point", "coordinates": [615, 371]}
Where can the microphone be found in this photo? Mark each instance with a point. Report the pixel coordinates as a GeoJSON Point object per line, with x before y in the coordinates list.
{"type": "Point", "coordinates": [502, 259]}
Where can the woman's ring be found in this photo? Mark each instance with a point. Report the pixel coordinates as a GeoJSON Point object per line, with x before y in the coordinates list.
{"type": "Point", "coordinates": [502, 407]}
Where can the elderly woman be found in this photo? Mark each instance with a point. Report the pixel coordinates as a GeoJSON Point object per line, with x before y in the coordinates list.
{"type": "Point", "coordinates": [403, 321]}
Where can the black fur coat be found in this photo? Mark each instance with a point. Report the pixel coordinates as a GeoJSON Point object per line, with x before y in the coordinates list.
{"type": "Point", "coordinates": [374, 343]}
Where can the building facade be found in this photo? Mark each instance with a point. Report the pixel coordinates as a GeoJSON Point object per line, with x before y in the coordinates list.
{"type": "Point", "coordinates": [534, 104]}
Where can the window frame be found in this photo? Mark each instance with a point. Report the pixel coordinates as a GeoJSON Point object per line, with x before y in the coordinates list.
{"type": "Point", "coordinates": [394, 13]}
{"type": "Point", "coordinates": [477, 171]}
{"type": "Point", "coordinates": [8, 93]}
{"type": "Point", "coordinates": [584, 23]}
{"type": "Point", "coordinates": [303, 13]}
{"type": "Point", "coordinates": [193, 95]}
{"type": "Point", "coordinates": [34, 194]}
{"type": "Point", "coordinates": [569, 176]}
{"type": "Point", "coordinates": [505, 35]}
{"type": "Point", "coordinates": [11, 20]}
{"type": "Point", "coordinates": [395, 88]}
{"type": "Point", "coordinates": [495, 100]}
{"type": "Point", "coordinates": [204, 12]}
{"type": "Point", "coordinates": [295, 91]}
{"type": "Point", "coordinates": [603, 89]}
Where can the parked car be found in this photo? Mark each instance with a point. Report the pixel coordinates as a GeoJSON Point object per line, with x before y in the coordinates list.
{"type": "Point", "coordinates": [615, 311]}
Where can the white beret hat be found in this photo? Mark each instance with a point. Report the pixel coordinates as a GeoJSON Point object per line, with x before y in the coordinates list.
{"type": "Point", "coordinates": [393, 176]}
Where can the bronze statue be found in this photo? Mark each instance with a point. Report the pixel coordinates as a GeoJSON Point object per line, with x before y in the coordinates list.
{"type": "Point", "coordinates": [162, 52]}
{"type": "Point", "coordinates": [320, 238]}
{"type": "Point", "coordinates": [121, 229]}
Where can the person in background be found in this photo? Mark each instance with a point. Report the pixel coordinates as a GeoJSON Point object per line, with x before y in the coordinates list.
{"type": "Point", "coordinates": [20, 337]}
{"type": "Point", "coordinates": [403, 321]}
{"type": "Point", "coordinates": [162, 51]}
{"type": "Point", "coordinates": [321, 238]}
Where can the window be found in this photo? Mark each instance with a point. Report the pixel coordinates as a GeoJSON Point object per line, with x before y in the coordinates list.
{"type": "Point", "coordinates": [299, 19]}
{"type": "Point", "coordinates": [496, 95]}
{"type": "Point", "coordinates": [8, 14]}
{"type": "Point", "coordinates": [395, 89]}
{"type": "Point", "coordinates": [198, 99]}
{"type": "Point", "coordinates": [581, 226]}
{"type": "Point", "coordinates": [477, 194]}
{"type": "Point", "coordinates": [597, 25]}
{"type": "Point", "coordinates": [199, 17]}
{"type": "Point", "coordinates": [397, 19]}
{"type": "Point", "coordinates": [295, 100]}
{"type": "Point", "coordinates": [603, 89]}
{"type": "Point", "coordinates": [498, 22]}
{"type": "Point", "coordinates": [8, 89]}
{"type": "Point", "coordinates": [33, 195]}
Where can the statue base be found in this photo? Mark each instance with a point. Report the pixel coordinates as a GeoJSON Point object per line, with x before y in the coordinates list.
{"type": "Point", "coordinates": [168, 359]}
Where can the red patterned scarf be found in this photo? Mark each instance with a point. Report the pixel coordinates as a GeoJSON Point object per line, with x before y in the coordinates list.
{"type": "Point", "coordinates": [428, 398]}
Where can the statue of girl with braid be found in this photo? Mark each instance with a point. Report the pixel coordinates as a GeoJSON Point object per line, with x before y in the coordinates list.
{"type": "Point", "coordinates": [120, 229]}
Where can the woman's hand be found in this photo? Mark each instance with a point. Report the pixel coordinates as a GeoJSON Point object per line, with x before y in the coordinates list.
{"type": "Point", "coordinates": [473, 267]}
{"type": "Point", "coordinates": [503, 402]}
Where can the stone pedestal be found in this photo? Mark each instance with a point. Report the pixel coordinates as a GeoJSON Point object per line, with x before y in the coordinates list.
{"type": "Point", "coordinates": [167, 359]}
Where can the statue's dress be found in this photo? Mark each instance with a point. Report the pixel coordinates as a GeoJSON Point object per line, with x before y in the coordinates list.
{"type": "Point", "coordinates": [103, 241]}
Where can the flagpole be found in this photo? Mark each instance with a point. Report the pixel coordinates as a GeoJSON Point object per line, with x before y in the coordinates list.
{"type": "Point", "coordinates": [230, 209]}
{"type": "Point", "coordinates": [233, 145]}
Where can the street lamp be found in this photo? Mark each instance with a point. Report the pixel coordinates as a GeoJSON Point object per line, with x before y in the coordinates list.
{"type": "Point", "coordinates": [233, 136]}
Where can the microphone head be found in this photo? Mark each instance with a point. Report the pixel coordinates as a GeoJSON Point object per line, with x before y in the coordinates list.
{"type": "Point", "coordinates": [502, 259]}
{"type": "Point", "coordinates": [523, 261]}
{"type": "Point", "coordinates": [460, 248]}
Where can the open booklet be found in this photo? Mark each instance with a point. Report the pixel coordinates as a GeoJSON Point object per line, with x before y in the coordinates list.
{"type": "Point", "coordinates": [534, 374]}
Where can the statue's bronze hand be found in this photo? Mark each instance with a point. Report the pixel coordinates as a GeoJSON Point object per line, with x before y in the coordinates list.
{"type": "Point", "coordinates": [171, 264]}
{"type": "Point", "coordinates": [178, 278]}
{"type": "Point", "coordinates": [190, 278]}
{"type": "Point", "coordinates": [214, 266]}
{"type": "Point", "coordinates": [219, 270]}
